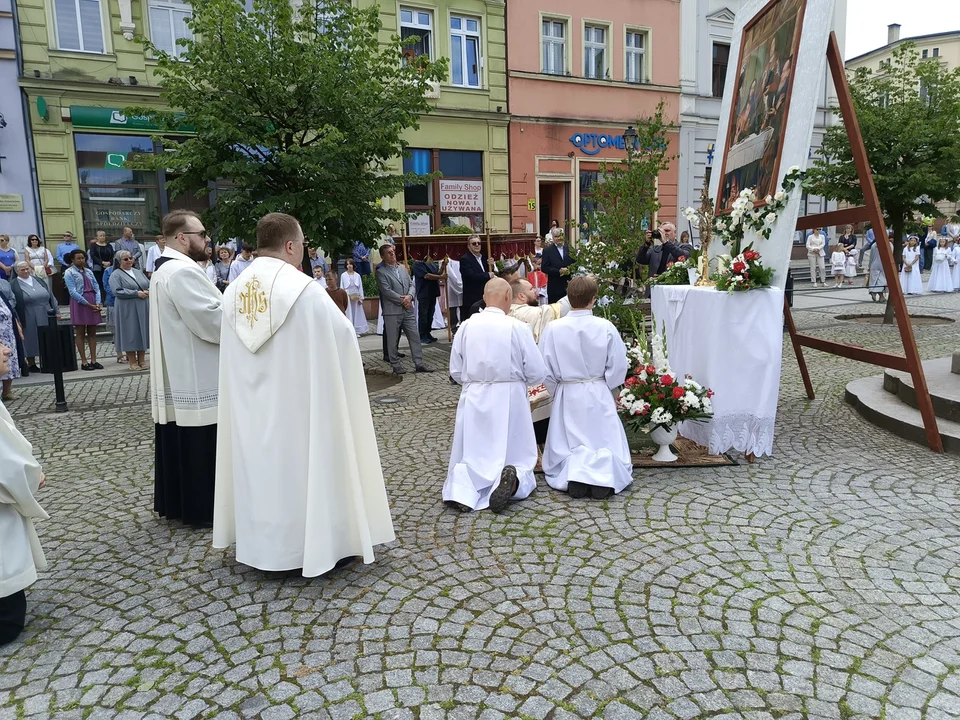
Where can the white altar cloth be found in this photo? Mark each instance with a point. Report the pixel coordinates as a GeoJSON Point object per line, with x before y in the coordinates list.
{"type": "Point", "coordinates": [733, 344]}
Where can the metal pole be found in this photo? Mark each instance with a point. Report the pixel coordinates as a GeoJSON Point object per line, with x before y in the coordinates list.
{"type": "Point", "coordinates": [56, 359]}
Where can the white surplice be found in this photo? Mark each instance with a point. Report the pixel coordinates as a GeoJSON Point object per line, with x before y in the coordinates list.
{"type": "Point", "coordinates": [184, 342]}
{"type": "Point", "coordinates": [20, 552]}
{"type": "Point", "coordinates": [353, 285]}
{"type": "Point", "coordinates": [454, 284]}
{"type": "Point", "coordinates": [586, 360]}
{"type": "Point", "coordinates": [299, 481]}
{"type": "Point", "coordinates": [495, 358]}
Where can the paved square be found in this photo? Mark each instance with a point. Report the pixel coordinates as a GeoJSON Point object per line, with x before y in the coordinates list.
{"type": "Point", "coordinates": [820, 583]}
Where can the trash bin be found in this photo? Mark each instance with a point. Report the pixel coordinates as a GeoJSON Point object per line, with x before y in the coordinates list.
{"type": "Point", "coordinates": [68, 357]}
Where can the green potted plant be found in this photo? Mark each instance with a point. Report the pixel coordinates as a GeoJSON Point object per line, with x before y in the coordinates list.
{"type": "Point", "coordinates": [371, 298]}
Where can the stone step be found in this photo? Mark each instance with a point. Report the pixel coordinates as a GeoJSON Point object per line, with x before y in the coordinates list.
{"type": "Point", "coordinates": [942, 384]}
{"type": "Point", "coordinates": [886, 410]}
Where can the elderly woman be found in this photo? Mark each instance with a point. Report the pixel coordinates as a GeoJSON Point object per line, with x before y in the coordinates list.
{"type": "Point", "coordinates": [40, 259]}
{"type": "Point", "coordinates": [34, 302]}
{"type": "Point", "coordinates": [131, 289]}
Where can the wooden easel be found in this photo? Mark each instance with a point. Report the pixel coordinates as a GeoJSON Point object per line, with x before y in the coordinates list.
{"type": "Point", "coordinates": [910, 361]}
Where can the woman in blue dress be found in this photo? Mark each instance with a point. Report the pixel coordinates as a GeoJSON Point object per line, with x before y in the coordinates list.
{"type": "Point", "coordinates": [8, 258]}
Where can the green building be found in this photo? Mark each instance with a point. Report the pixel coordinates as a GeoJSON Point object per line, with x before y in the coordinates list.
{"type": "Point", "coordinates": [82, 67]}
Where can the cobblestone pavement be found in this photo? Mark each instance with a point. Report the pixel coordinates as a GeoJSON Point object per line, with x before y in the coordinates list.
{"type": "Point", "coordinates": [822, 582]}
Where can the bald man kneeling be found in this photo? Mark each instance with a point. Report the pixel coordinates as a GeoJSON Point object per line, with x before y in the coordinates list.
{"type": "Point", "coordinates": [494, 449]}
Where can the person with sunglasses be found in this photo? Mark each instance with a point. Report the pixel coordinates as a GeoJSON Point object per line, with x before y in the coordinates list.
{"type": "Point", "coordinates": [475, 272]}
{"type": "Point", "coordinates": [185, 314]}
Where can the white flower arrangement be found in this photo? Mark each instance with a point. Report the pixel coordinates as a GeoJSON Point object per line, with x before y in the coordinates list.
{"type": "Point", "coordinates": [744, 215]}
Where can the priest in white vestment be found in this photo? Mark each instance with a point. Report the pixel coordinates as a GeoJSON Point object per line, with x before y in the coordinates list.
{"type": "Point", "coordinates": [20, 552]}
{"type": "Point", "coordinates": [299, 482]}
{"type": "Point", "coordinates": [527, 308]}
{"type": "Point", "coordinates": [494, 449]}
{"type": "Point", "coordinates": [185, 312]}
{"type": "Point", "coordinates": [585, 358]}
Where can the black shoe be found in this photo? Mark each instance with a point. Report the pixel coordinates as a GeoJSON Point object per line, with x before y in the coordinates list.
{"type": "Point", "coordinates": [601, 493]}
{"type": "Point", "coordinates": [452, 381]}
{"type": "Point", "coordinates": [423, 369]}
{"type": "Point", "coordinates": [33, 368]}
{"type": "Point", "coordinates": [87, 367]}
{"type": "Point", "coordinates": [24, 372]}
{"type": "Point", "coordinates": [397, 370]}
{"type": "Point", "coordinates": [578, 490]}
{"type": "Point", "coordinates": [429, 340]}
{"type": "Point", "coordinates": [202, 525]}
{"type": "Point", "coordinates": [401, 355]}
{"type": "Point", "coordinates": [501, 494]}
{"type": "Point", "coordinates": [460, 507]}
{"type": "Point", "coordinates": [97, 366]}
{"type": "Point", "coordinates": [343, 562]}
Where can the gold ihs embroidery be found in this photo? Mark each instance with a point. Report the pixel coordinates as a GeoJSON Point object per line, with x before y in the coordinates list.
{"type": "Point", "coordinates": [253, 301]}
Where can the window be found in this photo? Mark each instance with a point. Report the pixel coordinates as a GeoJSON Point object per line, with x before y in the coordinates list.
{"type": "Point", "coordinates": [79, 25]}
{"type": "Point", "coordinates": [168, 23]}
{"type": "Point", "coordinates": [635, 68]}
{"type": "Point", "coordinates": [594, 52]}
{"type": "Point", "coordinates": [936, 52]}
{"type": "Point", "coordinates": [925, 54]}
{"type": "Point", "coordinates": [721, 58]}
{"type": "Point", "coordinates": [461, 164]}
{"type": "Point", "coordinates": [554, 47]}
{"type": "Point", "coordinates": [419, 24]}
{"type": "Point", "coordinates": [588, 180]}
{"type": "Point", "coordinates": [418, 196]}
{"type": "Point", "coordinates": [465, 50]}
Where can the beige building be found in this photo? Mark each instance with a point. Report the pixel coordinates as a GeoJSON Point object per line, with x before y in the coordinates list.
{"type": "Point", "coordinates": [944, 46]}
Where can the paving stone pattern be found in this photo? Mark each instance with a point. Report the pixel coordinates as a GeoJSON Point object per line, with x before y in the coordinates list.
{"type": "Point", "coordinates": [820, 583]}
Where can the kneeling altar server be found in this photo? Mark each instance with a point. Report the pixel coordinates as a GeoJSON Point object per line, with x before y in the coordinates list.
{"type": "Point", "coordinates": [299, 482]}
{"type": "Point", "coordinates": [494, 450]}
{"type": "Point", "coordinates": [586, 451]}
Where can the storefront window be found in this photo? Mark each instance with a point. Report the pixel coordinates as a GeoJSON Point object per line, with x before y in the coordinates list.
{"type": "Point", "coordinates": [461, 194]}
{"type": "Point", "coordinates": [111, 196]}
{"type": "Point", "coordinates": [588, 178]}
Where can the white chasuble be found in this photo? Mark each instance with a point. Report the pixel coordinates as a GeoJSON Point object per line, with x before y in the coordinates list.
{"type": "Point", "coordinates": [585, 360]}
{"type": "Point", "coordinates": [20, 552]}
{"type": "Point", "coordinates": [537, 318]}
{"type": "Point", "coordinates": [299, 482]}
{"type": "Point", "coordinates": [495, 359]}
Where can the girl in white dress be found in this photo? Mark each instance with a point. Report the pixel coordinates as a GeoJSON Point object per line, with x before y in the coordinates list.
{"type": "Point", "coordinates": [941, 279]}
{"type": "Point", "coordinates": [837, 262]}
{"type": "Point", "coordinates": [910, 273]}
{"type": "Point", "coordinates": [954, 261]}
{"type": "Point", "coordinates": [352, 282]}
{"type": "Point", "coordinates": [850, 267]}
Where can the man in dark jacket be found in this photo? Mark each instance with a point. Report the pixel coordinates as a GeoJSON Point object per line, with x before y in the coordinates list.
{"type": "Point", "coordinates": [427, 276]}
{"type": "Point", "coordinates": [556, 261]}
{"type": "Point", "coordinates": [656, 254]}
{"type": "Point", "coordinates": [475, 272]}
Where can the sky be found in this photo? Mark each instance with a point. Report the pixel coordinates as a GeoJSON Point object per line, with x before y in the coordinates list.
{"type": "Point", "coordinates": [867, 21]}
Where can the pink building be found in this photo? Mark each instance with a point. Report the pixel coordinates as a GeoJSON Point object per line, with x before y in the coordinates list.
{"type": "Point", "coordinates": [578, 74]}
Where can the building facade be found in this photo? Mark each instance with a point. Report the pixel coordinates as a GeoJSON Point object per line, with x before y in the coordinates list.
{"type": "Point", "coordinates": [943, 46]}
{"type": "Point", "coordinates": [465, 136]}
{"type": "Point", "coordinates": [706, 37]}
{"type": "Point", "coordinates": [579, 74]}
{"type": "Point", "coordinates": [19, 210]}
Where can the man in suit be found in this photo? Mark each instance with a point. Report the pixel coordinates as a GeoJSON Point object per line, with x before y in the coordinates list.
{"type": "Point", "coordinates": [475, 271]}
{"type": "Point", "coordinates": [427, 276]}
{"type": "Point", "coordinates": [555, 264]}
{"type": "Point", "coordinates": [396, 300]}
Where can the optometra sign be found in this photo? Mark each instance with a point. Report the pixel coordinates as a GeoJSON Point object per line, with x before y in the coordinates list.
{"type": "Point", "coordinates": [592, 143]}
{"type": "Point", "coordinates": [461, 196]}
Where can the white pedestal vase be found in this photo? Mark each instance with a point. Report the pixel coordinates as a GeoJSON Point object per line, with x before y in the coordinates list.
{"type": "Point", "coordinates": [663, 437]}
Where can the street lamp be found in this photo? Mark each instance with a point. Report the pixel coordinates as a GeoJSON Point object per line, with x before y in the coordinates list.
{"type": "Point", "coordinates": [629, 141]}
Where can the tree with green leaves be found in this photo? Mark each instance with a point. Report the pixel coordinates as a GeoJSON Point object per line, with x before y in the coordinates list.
{"type": "Point", "coordinates": [909, 114]}
{"type": "Point", "coordinates": [626, 199]}
{"type": "Point", "coordinates": [300, 110]}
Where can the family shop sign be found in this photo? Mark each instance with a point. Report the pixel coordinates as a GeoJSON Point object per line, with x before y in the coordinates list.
{"type": "Point", "coordinates": [461, 196]}
{"type": "Point", "coordinates": [592, 143]}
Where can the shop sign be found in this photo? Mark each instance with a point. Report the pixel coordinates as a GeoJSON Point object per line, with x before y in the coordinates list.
{"type": "Point", "coordinates": [419, 224]}
{"type": "Point", "coordinates": [115, 161]}
{"type": "Point", "coordinates": [592, 143]}
{"type": "Point", "coordinates": [10, 202]}
{"type": "Point", "coordinates": [461, 196]}
{"type": "Point", "coordinates": [111, 118]}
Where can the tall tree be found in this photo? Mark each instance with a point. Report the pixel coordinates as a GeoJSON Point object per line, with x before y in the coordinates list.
{"type": "Point", "coordinates": [294, 109]}
{"type": "Point", "coordinates": [909, 114]}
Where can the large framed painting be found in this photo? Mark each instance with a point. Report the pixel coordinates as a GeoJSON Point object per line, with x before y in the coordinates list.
{"type": "Point", "coordinates": [761, 101]}
{"type": "Point", "coordinates": [768, 111]}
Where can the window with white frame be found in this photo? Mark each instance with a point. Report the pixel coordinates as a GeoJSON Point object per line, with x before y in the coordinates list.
{"type": "Point", "coordinates": [417, 23]}
{"type": "Point", "coordinates": [168, 23]}
{"type": "Point", "coordinates": [465, 50]}
{"type": "Point", "coordinates": [594, 51]}
{"type": "Point", "coordinates": [79, 25]}
{"type": "Point", "coordinates": [554, 41]}
{"type": "Point", "coordinates": [636, 69]}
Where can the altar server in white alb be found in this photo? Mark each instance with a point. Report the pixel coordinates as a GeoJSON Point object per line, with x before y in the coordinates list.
{"type": "Point", "coordinates": [185, 311]}
{"type": "Point", "coordinates": [299, 482]}
{"type": "Point", "coordinates": [586, 451]}
{"type": "Point", "coordinates": [494, 450]}
{"type": "Point", "coordinates": [20, 552]}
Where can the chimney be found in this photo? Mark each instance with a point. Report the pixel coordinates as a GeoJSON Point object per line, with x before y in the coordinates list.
{"type": "Point", "coordinates": [893, 33]}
